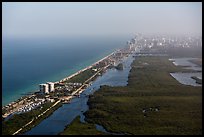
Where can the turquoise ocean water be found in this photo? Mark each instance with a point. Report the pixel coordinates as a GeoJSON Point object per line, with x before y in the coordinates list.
{"type": "Point", "coordinates": [26, 63]}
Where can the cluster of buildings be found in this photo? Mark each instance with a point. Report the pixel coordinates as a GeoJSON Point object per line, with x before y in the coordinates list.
{"type": "Point", "coordinates": [31, 106]}
{"type": "Point", "coordinates": [162, 43]}
{"type": "Point", "coordinates": [67, 86]}
{"type": "Point", "coordinates": [170, 41]}
{"type": "Point", "coordinates": [46, 88]}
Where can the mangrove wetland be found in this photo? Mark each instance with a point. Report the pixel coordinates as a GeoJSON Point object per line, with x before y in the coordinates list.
{"type": "Point", "coordinates": [153, 103]}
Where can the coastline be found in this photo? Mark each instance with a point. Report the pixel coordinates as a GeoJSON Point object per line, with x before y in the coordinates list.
{"type": "Point", "coordinates": [63, 79]}
{"type": "Point", "coordinates": [32, 86]}
{"type": "Point", "coordinates": [82, 70]}
{"type": "Point", "coordinates": [68, 98]}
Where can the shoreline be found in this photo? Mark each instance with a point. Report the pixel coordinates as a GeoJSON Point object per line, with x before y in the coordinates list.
{"type": "Point", "coordinates": [13, 106]}
{"type": "Point", "coordinates": [62, 80]}
{"type": "Point", "coordinates": [84, 69]}
{"type": "Point", "coordinates": [101, 66]}
{"type": "Point", "coordinates": [62, 92]}
{"type": "Point", "coordinates": [88, 81]}
{"type": "Point", "coordinates": [76, 92]}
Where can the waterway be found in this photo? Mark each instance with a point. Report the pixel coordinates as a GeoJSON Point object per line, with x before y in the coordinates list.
{"type": "Point", "coordinates": [64, 115]}
{"type": "Point", "coordinates": [185, 78]}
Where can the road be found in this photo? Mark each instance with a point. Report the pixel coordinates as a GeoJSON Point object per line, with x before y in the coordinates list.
{"type": "Point", "coordinates": [36, 117]}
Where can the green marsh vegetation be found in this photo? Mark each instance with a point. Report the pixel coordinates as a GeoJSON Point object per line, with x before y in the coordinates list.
{"type": "Point", "coordinates": [170, 107]}
{"type": "Point", "coordinates": [77, 127]}
{"type": "Point", "coordinates": [82, 77]}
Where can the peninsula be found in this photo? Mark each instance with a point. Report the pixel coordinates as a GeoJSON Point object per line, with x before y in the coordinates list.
{"type": "Point", "coordinates": [25, 113]}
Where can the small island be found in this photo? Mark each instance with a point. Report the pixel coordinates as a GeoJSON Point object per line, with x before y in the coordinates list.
{"type": "Point", "coordinates": [119, 66]}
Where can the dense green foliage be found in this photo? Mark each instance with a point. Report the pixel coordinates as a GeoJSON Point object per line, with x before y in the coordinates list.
{"type": "Point", "coordinates": [82, 77]}
{"type": "Point", "coordinates": [81, 128]}
{"type": "Point", "coordinates": [150, 86]}
{"type": "Point", "coordinates": [193, 51]}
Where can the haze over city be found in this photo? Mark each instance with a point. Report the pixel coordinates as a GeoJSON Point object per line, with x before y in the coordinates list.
{"type": "Point", "coordinates": [100, 18]}
{"type": "Point", "coordinates": [102, 68]}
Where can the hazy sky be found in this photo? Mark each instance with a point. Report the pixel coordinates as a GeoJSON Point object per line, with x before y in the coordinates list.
{"type": "Point", "coordinates": [75, 19]}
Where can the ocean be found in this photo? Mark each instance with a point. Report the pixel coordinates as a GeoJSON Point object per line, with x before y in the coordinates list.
{"type": "Point", "coordinates": [26, 63]}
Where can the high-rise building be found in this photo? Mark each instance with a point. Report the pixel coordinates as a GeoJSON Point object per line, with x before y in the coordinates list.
{"type": "Point", "coordinates": [50, 86]}
{"type": "Point", "coordinates": [44, 88]}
